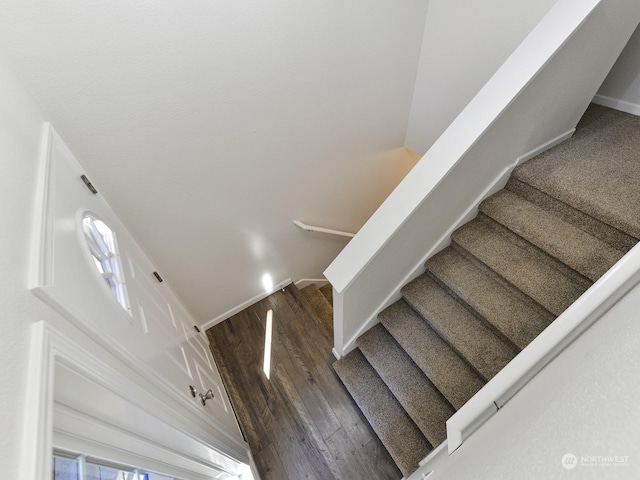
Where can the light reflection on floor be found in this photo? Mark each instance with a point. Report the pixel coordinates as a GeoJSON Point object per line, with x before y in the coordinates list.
{"type": "Point", "coordinates": [266, 365]}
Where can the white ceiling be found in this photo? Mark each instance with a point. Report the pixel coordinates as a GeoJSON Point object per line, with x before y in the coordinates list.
{"type": "Point", "coordinates": [210, 125]}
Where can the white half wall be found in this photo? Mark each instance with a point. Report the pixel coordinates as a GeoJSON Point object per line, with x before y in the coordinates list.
{"type": "Point", "coordinates": [621, 88]}
{"type": "Point", "coordinates": [464, 43]}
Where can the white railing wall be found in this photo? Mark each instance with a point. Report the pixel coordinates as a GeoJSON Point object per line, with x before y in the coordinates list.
{"type": "Point", "coordinates": [593, 306]}
{"type": "Point", "coordinates": [602, 295]}
{"type": "Point", "coordinates": [534, 100]}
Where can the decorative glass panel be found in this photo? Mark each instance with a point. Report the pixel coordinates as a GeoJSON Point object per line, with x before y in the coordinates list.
{"type": "Point", "coordinates": [65, 468]}
{"type": "Point", "coordinates": [104, 250]}
{"type": "Point", "coordinates": [100, 472]}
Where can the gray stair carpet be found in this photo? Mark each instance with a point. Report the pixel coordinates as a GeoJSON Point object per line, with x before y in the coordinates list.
{"type": "Point", "coordinates": [424, 403]}
{"type": "Point", "coordinates": [398, 433]}
{"type": "Point", "coordinates": [327, 291]}
{"type": "Point", "coordinates": [563, 220]}
{"type": "Point", "coordinates": [320, 306]}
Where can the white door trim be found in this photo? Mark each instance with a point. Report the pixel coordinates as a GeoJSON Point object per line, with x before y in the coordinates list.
{"type": "Point", "coordinates": [191, 451]}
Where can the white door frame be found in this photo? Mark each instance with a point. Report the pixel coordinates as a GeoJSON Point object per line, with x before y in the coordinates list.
{"type": "Point", "coordinates": [164, 447]}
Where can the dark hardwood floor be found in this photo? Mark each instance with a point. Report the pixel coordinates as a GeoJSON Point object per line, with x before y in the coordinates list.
{"type": "Point", "coordinates": [300, 422]}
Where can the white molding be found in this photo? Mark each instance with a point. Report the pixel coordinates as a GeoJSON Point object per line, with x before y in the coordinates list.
{"type": "Point", "coordinates": [38, 422]}
{"type": "Point", "coordinates": [617, 104]}
{"type": "Point", "coordinates": [304, 282]}
{"type": "Point", "coordinates": [50, 348]}
{"type": "Point", "coordinates": [178, 416]}
{"type": "Point", "coordinates": [41, 267]}
{"type": "Point", "coordinates": [73, 436]}
{"type": "Point", "coordinates": [545, 146]}
{"type": "Point", "coordinates": [246, 304]}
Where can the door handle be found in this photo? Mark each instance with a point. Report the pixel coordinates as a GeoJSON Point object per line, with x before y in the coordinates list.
{"type": "Point", "coordinates": [206, 396]}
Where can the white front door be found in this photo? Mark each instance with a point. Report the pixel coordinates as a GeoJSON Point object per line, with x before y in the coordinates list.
{"type": "Point", "coordinates": [155, 334]}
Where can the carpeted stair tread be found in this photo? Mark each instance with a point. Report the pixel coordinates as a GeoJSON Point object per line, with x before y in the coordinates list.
{"type": "Point", "coordinates": [512, 313]}
{"type": "Point", "coordinates": [327, 291]}
{"type": "Point", "coordinates": [574, 247]}
{"type": "Point", "coordinates": [471, 338]}
{"type": "Point", "coordinates": [320, 306]}
{"type": "Point", "coordinates": [451, 375]}
{"type": "Point", "coordinates": [527, 268]}
{"type": "Point", "coordinates": [563, 220]}
{"type": "Point", "coordinates": [597, 171]}
{"type": "Point", "coordinates": [397, 432]}
{"type": "Point", "coordinates": [426, 406]}
{"type": "Point", "coordinates": [608, 234]}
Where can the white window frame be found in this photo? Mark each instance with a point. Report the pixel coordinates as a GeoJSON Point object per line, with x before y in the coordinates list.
{"type": "Point", "coordinates": [82, 461]}
{"type": "Point", "coordinates": [49, 425]}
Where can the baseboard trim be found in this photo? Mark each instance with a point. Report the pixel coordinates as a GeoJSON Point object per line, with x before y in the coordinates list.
{"type": "Point", "coordinates": [243, 305]}
{"type": "Point", "coordinates": [304, 282]}
{"type": "Point", "coordinates": [545, 146]}
{"type": "Point", "coordinates": [621, 105]}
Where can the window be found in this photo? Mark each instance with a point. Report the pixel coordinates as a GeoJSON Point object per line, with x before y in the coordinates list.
{"type": "Point", "coordinates": [79, 467]}
{"type": "Point", "coordinates": [104, 250]}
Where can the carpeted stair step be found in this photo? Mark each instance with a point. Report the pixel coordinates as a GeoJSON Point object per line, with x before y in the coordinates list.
{"type": "Point", "coordinates": [451, 375]}
{"type": "Point", "coordinates": [327, 291]}
{"type": "Point", "coordinates": [485, 351]}
{"type": "Point", "coordinates": [563, 220]}
{"type": "Point", "coordinates": [513, 314]}
{"type": "Point", "coordinates": [597, 171]}
{"type": "Point", "coordinates": [397, 432]}
{"type": "Point", "coordinates": [577, 249]}
{"type": "Point", "coordinates": [608, 234]}
{"type": "Point", "coordinates": [320, 306]}
{"type": "Point", "coordinates": [424, 403]}
{"type": "Point", "coordinates": [549, 282]}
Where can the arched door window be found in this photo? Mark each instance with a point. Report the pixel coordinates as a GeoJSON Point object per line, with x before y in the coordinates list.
{"type": "Point", "coordinates": [104, 251]}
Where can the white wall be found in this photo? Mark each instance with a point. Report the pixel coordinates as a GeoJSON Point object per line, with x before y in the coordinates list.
{"type": "Point", "coordinates": [464, 43]}
{"type": "Point", "coordinates": [621, 89]}
{"type": "Point", "coordinates": [21, 138]}
{"type": "Point", "coordinates": [583, 403]}
{"type": "Point", "coordinates": [209, 126]}
{"type": "Point", "coordinates": [21, 125]}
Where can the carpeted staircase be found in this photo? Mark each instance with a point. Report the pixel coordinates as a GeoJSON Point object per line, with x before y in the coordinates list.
{"type": "Point", "coordinates": [319, 302]}
{"type": "Point", "coordinates": [562, 221]}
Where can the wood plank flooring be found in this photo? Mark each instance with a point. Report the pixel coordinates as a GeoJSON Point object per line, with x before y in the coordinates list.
{"type": "Point", "coordinates": [300, 422]}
